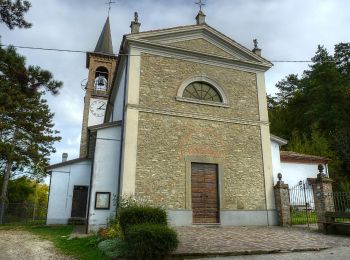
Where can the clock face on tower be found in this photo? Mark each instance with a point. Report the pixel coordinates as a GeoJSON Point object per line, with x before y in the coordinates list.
{"type": "Point", "coordinates": [98, 107]}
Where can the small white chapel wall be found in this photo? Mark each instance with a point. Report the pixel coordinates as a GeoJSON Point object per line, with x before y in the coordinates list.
{"type": "Point", "coordinates": [63, 180]}
{"type": "Point", "coordinates": [293, 172]}
{"type": "Point", "coordinates": [276, 160]}
{"type": "Point", "coordinates": [106, 174]}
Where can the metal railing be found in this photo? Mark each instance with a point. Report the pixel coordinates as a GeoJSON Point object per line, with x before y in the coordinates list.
{"type": "Point", "coordinates": [24, 213]}
{"type": "Point", "coordinates": [339, 202]}
{"type": "Point", "coordinates": [302, 206]}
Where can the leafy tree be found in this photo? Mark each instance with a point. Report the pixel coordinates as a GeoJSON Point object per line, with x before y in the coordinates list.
{"type": "Point", "coordinates": [26, 128]}
{"type": "Point", "coordinates": [320, 97]}
{"type": "Point", "coordinates": [12, 13]}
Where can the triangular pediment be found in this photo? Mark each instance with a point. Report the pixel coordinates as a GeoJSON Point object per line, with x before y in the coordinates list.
{"type": "Point", "coordinates": [200, 39]}
{"type": "Point", "coordinates": [202, 45]}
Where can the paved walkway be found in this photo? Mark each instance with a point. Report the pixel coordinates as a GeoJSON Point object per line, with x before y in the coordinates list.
{"type": "Point", "coordinates": [198, 241]}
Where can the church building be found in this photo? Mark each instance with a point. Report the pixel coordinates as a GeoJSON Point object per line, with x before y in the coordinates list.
{"type": "Point", "coordinates": [177, 117]}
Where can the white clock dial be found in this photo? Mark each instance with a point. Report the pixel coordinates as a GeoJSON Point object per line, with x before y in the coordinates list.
{"type": "Point", "coordinates": [98, 107]}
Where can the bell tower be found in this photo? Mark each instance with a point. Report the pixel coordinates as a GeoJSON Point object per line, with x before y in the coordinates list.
{"type": "Point", "coordinates": [101, 64]}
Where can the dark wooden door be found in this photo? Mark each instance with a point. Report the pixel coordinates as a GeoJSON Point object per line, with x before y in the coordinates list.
{"type": "Point", "coordinates": [205, 201]}
{"type": "Point", "coordinates": [80, 194]}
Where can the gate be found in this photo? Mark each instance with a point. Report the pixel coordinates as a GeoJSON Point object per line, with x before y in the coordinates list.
{"type": "Point", "coordinates": [302, 206]}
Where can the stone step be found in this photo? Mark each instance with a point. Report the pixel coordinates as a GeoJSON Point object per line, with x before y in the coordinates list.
{"type": "Point", "coordinates": [77, 221]}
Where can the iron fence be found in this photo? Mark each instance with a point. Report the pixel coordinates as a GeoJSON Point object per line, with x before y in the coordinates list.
{"type": "Point", "coordinates": [302, 206]}
{"type": "Point", "coordinates": [338, 202]}
{"type": "Point", "coordinates": [24, 213]}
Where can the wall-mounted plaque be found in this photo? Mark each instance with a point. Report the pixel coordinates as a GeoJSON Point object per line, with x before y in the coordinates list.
{"type": "Point", "coordinates": [102, 200]}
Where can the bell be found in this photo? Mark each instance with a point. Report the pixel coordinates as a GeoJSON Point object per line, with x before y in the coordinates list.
{"type": "Point", "coordinates": [101, 81]}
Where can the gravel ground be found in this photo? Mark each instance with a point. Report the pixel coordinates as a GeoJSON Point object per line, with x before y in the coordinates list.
{"type": "Point", "coordinates": [24, 245]}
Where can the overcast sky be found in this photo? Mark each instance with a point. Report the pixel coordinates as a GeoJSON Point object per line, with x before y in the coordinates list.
{"type": "Point", "coordinates": [285, 29]}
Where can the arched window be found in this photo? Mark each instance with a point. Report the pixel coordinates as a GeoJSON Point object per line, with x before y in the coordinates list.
{"type": "Point", "coordinates": [202, 91]}
{"type": "Point", "coordinates": [101, 79]}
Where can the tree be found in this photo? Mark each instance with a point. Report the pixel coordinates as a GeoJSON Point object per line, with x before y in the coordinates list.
{"type": "Point", "coordinates": [320, 97]}
{"type": "Point", "coordinates": [26, 128]}
{"type": "Point", "coordinates": [12, 13]}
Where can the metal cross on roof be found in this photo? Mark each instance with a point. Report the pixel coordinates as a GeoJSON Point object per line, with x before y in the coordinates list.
{"type": "Point", "coordinates": [109, 3]}
{"type": "Point", "coordinates": [200, 4]}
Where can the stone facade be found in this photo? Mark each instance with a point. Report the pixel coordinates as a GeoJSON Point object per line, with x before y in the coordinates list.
{"type": "Point", "coordinates": [169, 131]}
{"type": "Point", "coordinates": [94, 61]}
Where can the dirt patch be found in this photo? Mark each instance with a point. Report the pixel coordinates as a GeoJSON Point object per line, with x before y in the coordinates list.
{"type": "Point", "coordinates": [24, 245]}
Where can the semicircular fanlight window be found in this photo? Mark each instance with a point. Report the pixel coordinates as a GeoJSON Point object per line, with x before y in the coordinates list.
{"type": "Point", "coordinates": [202, 91]}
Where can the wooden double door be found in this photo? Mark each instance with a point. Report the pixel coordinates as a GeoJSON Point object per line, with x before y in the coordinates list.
{"type": "Point", "coordinates": [204, 187]}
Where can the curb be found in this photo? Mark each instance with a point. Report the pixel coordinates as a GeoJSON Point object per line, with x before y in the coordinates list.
{"type": "Point", "coordinates": [244, 252]}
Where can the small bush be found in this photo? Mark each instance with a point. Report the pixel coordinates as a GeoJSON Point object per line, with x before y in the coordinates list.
{"type": "Point", "coordinates": [114, 231]}
{"type": "Point", "coordinates": [141, 215]}
{"type": "Point", "coordinates": [102, 233]}
{"type": "Point", "coordinates": [150, 241]}
{"type": "Point", "coordinates": [113, 248]}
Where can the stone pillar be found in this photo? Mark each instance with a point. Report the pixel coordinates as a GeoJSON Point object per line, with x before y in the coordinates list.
{"type": "Point", "coordinates": [282, 202]}
{"type": "Point", "coordinates": [323, 196]}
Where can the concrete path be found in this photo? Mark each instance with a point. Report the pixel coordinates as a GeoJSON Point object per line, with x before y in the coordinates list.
{"type": "Point", "coordinates": [213, 241]}
{"type": "Point", "coordinates": [16, 245]}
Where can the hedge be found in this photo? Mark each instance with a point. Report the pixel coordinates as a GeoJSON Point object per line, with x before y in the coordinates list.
{"type": "Point", "coordinates": [150, 241]}
{"type": "Point", "coordinates": [141, 215]}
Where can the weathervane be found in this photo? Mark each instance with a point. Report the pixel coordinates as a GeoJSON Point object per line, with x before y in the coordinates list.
{"type": "Point", "coordinates": [136, 17]}
{"type": "Point", "coordinates": [109, 3]}
{"type": "Point", "coordinates": [200, 4]}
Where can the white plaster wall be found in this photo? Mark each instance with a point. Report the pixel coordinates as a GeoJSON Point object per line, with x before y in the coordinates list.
{"type": "Point", "coordinates": [276, 160]}
{"type": "Point", "coordinates": [94, 120]}
{"type": "Point", "coordinates": [105, 173]}
{"type": "Point", "coordinates": [118, 101]}
{"type": "Point", "coordinates": [63, 180]}
{"type": "Point", "coordinates": [294, 172]}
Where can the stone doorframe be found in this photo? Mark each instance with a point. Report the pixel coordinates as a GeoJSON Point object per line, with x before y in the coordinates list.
{"type": "Point", "coordinates": [203, 159]}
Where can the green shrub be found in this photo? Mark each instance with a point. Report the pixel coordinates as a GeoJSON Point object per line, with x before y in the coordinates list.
{"type": "Point", "coordinates": [150, 241]}
{"type": "Point", "coordinates": [141, 215]}
{"type": "Point", "coordinates": [113, 248]}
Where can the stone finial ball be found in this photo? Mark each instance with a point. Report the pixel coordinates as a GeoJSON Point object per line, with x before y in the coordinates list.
{"type": "Point", "coordinates": [279, 176]}
{"type": "Point", "coordinates": [320, 168]}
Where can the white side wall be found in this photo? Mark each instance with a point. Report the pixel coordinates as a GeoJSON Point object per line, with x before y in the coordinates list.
{"type": "Point", "coordinates": [105, 173]}
{"type": "Point", "coordinates": [294, 172]}
{"type": "Point", "coordinates": [276, 161]}
{"type": "Point", "coordinates": [117, 113]}
{"type": "Point", "coordinates": [63, 180]}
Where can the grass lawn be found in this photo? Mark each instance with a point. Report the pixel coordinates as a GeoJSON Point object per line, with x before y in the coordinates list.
{"type": "Point", "coordinates": [300, 218]}
{"type": "Point", "coordinates": [82, 248]}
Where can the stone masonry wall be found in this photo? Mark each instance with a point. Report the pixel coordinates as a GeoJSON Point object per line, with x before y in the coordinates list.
{"type": "Point", "coordinates": [161, 77]}
{"type": "Point", "coordinates": [165, 140]}
{"type": "Point", "coordinates": [201, 45]}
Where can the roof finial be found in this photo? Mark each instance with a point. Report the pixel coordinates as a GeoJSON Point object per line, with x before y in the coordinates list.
{"type": "Point", "coordinates": [200, 4]}
{"type": "Point", "coordinates": [135, 25]}
{"type": "Point", "coordinates": [255, 41]}
{"type": "Point", "coordinates": [256, 49]}
{"type": "Point", "coordinates": [109, 3]}
{"type": "Point", "coordinates": [136, 17]}
{"type": "Point", "coordinates": [200, 18]}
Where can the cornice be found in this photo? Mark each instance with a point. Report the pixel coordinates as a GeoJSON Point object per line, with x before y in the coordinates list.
{"type": "Point", "coordinates": [170, 112]}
